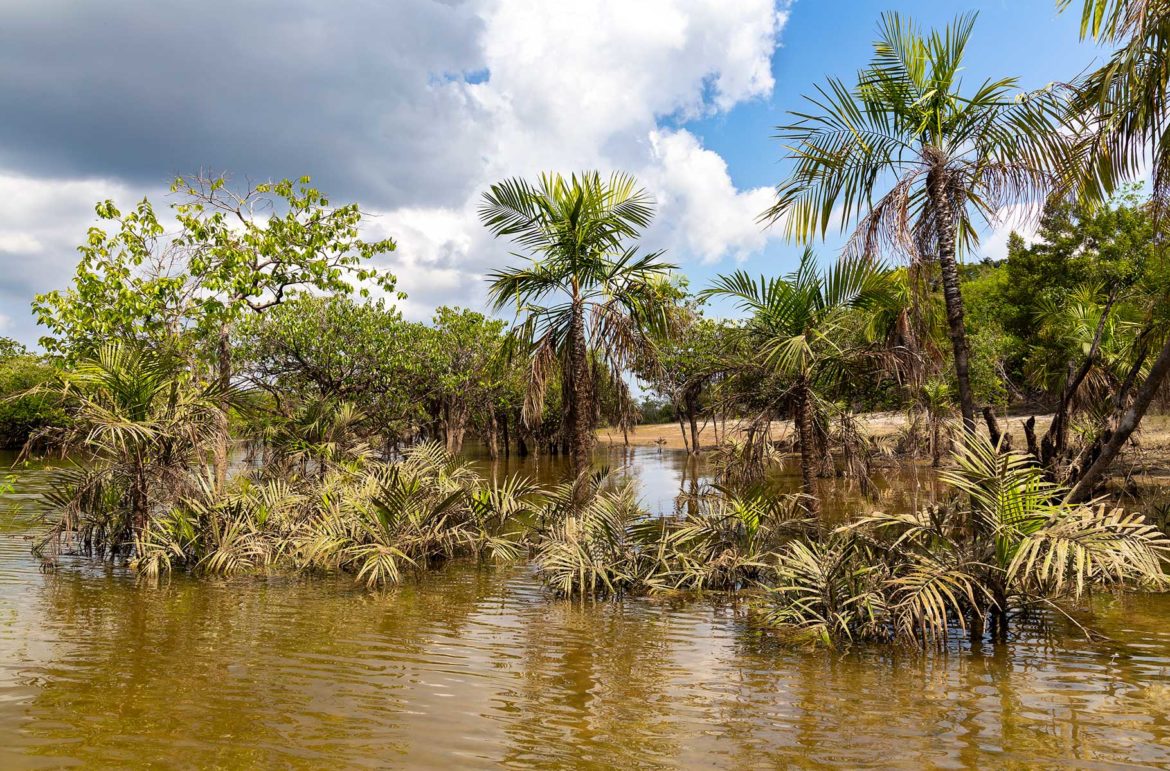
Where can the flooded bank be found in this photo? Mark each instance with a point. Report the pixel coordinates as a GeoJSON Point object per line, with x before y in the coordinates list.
{"type": "Point", "coordinates": [477, 668]}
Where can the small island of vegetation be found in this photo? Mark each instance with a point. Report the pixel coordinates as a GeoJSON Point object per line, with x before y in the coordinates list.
{"type": "Point", "coordinates": [238, 392]}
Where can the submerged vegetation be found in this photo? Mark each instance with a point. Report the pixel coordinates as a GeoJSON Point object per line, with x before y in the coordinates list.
{"type": "Point", "coordinates": [236, 400]}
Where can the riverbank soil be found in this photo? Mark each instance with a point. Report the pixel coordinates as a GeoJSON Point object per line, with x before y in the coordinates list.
{"type": "Point", "coordinates": [1150, 458]}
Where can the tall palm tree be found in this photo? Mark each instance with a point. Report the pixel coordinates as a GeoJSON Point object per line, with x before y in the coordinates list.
{"type": "Point", "coordinates": [1125, 111]}
{"type": "Point", "coordinates": [588, 300]}
{"type": "Point", "coordinates": [915, 162]}
{"type": "Point", "coordinates": [799, 326]}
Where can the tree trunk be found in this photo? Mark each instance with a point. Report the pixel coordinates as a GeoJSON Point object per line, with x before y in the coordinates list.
{"type": "Point", "coordinates": [692, 409]}
{"type": "Point", "coordinates": [935, 440]}
{"type": "Point", "coordinates": [804, 432]}
{"type": "Point", "coordinates": [493, 439]}
{"type": "Point", "coordinates": [952, 293]}
{"type": "Point", "coordinates": [999, 438]}
{"type": "Point", "coordinates": [456, 426]}
{"type": "Point", "coordinates": [139, 500]}
{"type": "Point", "coordinates": [682, 429]}
{"type": "Point", "coordinates": [1126, 424]}
{"type": "Point", "coordinates": [224, 382]}
{"type": "Point", "coordinates": [1056, 439]}
{"type": "Point", "coordinates": [505, 435]}
{"type": "Point", "coordinates": [580, 393]}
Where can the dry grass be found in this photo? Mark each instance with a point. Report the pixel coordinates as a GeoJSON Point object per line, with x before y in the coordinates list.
{"type": "Point", "coordinates": [878, 424]}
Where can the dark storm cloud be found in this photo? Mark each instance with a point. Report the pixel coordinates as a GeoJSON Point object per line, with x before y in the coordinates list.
{"type": "Point", "coordinates": [358, 93]}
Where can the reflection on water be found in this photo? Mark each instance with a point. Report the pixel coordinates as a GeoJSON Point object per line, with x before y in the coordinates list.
{"type": "Point", "coordinates": [661, 475]}
{"type": "Point", "coordinates": [477, 668]}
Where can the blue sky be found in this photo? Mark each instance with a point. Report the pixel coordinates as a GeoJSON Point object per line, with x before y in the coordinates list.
{"type": "Point", "coordinates": [1026, 39]}
{"type": "Point", "coordinates": [411, 108]}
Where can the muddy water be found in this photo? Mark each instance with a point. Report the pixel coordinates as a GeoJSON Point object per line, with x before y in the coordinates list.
{"type": "Point", "coordinates": [475, 668]}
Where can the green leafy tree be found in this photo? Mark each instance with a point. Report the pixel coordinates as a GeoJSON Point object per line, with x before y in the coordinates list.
{"type": "Point", "coordinates": [234, 253]}
{"type": "Point", "coordinates": [585, 293]}
{"type": "Point", "coordinates": [1075, 246]}
{"type": "Point", "coordinates": [469, 373]}
{"type": "Point", "coordinates": [690, 361]}
{"type": "Point", "coordinates": [1122, 112]}
{"type": "Point", "coordinates": [914, 162]}
{"type": "Point", "coordinates": [128, 286]}
{"type": "Point", "coordinates": [25, 405]}
{"type": "Point", "coordinates": [334, 347]}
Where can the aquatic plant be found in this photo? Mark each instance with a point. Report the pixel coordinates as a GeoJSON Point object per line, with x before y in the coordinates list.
{"type": "Point", "coordinates": [596, 542]}
{"type": "Point", "coordinates": [1008, 540]}
{"type": "Point", "coordinates": [727, 540]}
{"type": "Point", "coordinates": [378, 520]}
{"type": "Point", "coordinates": [141, 426]}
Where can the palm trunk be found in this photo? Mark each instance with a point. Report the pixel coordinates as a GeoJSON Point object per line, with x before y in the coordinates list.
{"type": "Point", "coordinates": [935, 439]}
{"type": "Point", "coordinates": [804, 432]}
{"type": "Point", "coordinates": [1126, 424]}
{"type": "Point", "coordinates": [952, 293]}
{"type": "Point", "coordinates": [580, 406]}
{"type": "Point", "coordinates": [139, 500]}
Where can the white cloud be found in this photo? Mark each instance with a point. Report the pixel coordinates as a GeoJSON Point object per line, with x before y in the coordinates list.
{"type": "Point", "coordinates": [17, 241]}
{"type": "Point", "coordinates": [993, 244]}
{"type": "Point", "coordinates": [41, 223]}
{"type": "Point", "coordinates": [395, 117]}
{"type": "Point", "coordinates": [586, 85]}
{"type": "Point", "coordinates": [704, 213]}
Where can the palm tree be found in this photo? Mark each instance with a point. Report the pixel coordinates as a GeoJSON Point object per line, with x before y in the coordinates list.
{"type": "Point", "coordinates": [143, 427]}
{"type": "Point", "coordinates": [589, 301]}
{"type": "Point", "coordinates": [916, 576]}
{"type": "Point", "coordinates": [799, 326]}
{"type": "Point", "coordinates": [914, 162]}
{"type": "Point", "coordinates": [1124, 110]}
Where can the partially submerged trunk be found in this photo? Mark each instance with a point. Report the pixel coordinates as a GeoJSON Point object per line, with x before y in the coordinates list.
{"type": "Point", "coordinates": [139, 500]}
{"type": "Point", "coordinates": [579, 414]}
{"type": "Point", "coordinates": [935, 439]}
{"type": "Point", "coordinates": [457, 413]}
{"type": "Point", "coordinates": [806, 439]}
{"type": "Point", "coordinates": [692, 407]}
{"type": "Point", "coordinates": [493, 440]}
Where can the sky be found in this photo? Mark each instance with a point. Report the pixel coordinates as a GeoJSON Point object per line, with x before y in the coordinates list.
{"type": "Point", "coordinates": [412, 108]}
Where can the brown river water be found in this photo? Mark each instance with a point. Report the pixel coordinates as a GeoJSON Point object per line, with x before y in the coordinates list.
{"type": "Point", "coordinates": [474, 668]}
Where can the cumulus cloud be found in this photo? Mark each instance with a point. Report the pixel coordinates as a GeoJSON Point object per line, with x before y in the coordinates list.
{"type": "Point", "coordinates": [42, 220]}
{"type": "Point", "coordinates": [412, 108]}
{"type": "Point", "coordinates": [705, 214]}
